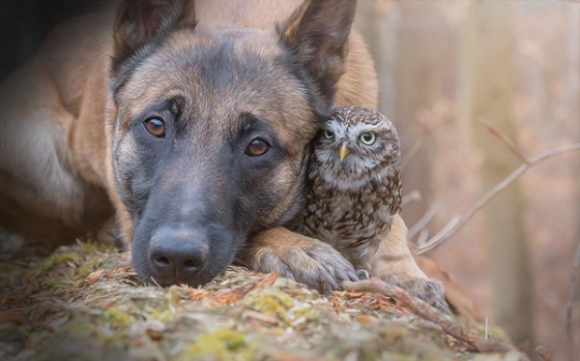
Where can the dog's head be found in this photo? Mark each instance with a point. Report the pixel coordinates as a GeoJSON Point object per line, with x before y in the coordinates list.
{"type": "Point", "coordinates": [213, 126]}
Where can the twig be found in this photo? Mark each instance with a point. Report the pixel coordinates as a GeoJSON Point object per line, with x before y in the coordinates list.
{"type": "Point", "coordinates": [458, 222]}
{"type": "Point", "coordinates": [425, 311]}
{"type": "Point", "coordinates": [423, 222]}
{"type": "Point", "coordinates": [510, 143]}
{"type": "Point", "coordinates": [450, 230]}
{"type": "Point", "coordinates": [570, 304]}
{"type": "Point", "coordinates": [411, 153]}
{"type": "Point", "coordinates": [423, 237]}
{"type": "Point", "coordinates": [486, 329]}
{"type": "Point", "coordinates": [543, 352]}
{"type": "Point", "coordinates": [414, 196]}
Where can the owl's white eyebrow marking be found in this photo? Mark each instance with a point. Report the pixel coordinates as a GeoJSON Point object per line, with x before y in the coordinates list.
{"type": "Point", "coordinates": [337, 127]}
{"type": "Point", "coordinates": [356, 129]}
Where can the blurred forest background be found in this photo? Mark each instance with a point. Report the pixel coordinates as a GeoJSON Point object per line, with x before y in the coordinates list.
{"type": "Point", "coordinates": [443, 66]}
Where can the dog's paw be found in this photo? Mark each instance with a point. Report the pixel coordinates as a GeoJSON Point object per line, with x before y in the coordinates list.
{"type": "Point", "coordinates": [426, 289]}
{"type": "Point", "coordinates": [313, 263]}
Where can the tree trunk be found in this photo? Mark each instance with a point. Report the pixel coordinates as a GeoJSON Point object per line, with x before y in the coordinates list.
{"type": "Point", "coordinates": [489, 76]}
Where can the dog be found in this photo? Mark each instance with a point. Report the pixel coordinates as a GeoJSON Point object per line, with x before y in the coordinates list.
{"type": "Point", "coordinates": [183, 127]}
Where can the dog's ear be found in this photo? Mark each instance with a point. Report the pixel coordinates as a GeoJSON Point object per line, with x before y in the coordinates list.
{"type": "Point", "coordinates": [140, 21]}
{"type": "Point", "coordinates": [318, 33]}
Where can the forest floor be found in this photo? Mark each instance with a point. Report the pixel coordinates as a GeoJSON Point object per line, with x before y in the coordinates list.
{"type": "Point", "coordinates": [85, 302]}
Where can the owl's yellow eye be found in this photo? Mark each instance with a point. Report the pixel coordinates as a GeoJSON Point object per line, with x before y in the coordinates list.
{"type": "Point", "coordinates": [328, 134]}
{"type": "Point", "coordinates": [368, 138]}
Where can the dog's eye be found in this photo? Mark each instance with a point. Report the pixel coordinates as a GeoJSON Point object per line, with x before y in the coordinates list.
{"type": "Point", "coordinates": [368, 138]}
{"type": "Point", "coordinates": [257, 147]}
{"type": "Point", "coordinates": [328, 134]}
{"type": "Point", "coordinates": [155, 127]}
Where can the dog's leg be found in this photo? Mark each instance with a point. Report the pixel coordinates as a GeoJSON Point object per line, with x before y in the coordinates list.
{"type": "Point", "coordinates": [306, 260]}
{"type": "Point", "coordinates": [394, 263]}
{"type": "Point", "coordinates": [38, 180]}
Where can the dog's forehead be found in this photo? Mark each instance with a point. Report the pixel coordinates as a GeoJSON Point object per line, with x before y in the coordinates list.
{"type": "Point", "coordinates": [223, 57]}
{"type": "Point", "coordinates": [225, 72]}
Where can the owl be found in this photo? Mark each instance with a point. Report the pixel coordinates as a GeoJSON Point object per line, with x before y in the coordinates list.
{"type": "Point", "coordinates": [354, 184]}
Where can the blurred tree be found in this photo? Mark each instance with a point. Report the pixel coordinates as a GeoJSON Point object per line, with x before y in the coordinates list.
{"type": "Point", "coordinates": [489, 88]}
{"type": "Point", "coordinates": [376, 20]}
{"type": "Point", "coordinates": [424, 40]}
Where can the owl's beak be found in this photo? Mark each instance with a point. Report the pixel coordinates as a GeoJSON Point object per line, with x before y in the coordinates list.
{"type": "Point", "coordinates": [343, 152]}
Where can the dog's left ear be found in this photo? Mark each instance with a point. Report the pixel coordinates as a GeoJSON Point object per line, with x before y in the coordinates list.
{"type": "Point", "coordinates": [318, 33]}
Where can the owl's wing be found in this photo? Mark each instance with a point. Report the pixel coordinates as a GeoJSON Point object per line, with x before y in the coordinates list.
{"type": "Point", "coordinates": [394, 194]}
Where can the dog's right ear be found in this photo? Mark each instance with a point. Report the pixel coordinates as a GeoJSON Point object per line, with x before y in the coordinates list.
{"type": "Point", "coordinates": [140, 21]}
{"type": "Point", "coordinates": [318, 33]}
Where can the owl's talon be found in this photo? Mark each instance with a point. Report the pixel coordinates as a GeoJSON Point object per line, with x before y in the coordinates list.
{"type": "Point", "coordinates": [353, 277]}
{"type": "Point", "coordinates": [363, 274]}
{"type": "Point", "coordinates": [428, 290]}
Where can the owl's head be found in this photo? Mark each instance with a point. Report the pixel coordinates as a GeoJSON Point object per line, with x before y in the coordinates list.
{"type": "Point", "coordinates": [355, 145]}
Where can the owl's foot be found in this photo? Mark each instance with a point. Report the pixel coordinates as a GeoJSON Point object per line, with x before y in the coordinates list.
{"type": "Point", "coordinates": [303, 259]}
{"type": "Point", "coordinates": [428, 290]}
{"type": "Point", "coordinates": [363, 274]}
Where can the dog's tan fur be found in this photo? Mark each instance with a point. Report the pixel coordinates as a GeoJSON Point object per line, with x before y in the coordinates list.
{"type": "Point", "coordinates": [63, 98]}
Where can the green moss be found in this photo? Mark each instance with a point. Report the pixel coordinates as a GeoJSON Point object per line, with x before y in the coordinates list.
{"type": "Point", "coordinates": [221, 344]}
{"type": "Point", "coordinates": [119, 317]}
{"type": "Point", "coordinates": [78, 326]}
{"type": "Point", "coordinates": [87, 268]}
{"type": "Point", "coordinates": [95, 247]}
{"type": "Point", "coordinates": [161, 316]}
{"type": "Point", "coordinates": [58, 258]}
{"type": "Point", "coordinates": [309, 313]}
{"type": "Point", "coordinates": [273, 303]}
{"type": "Point", "coordinates": [55, 283]}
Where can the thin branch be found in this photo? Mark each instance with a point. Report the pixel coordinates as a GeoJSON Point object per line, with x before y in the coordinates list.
{"type": "Point", "coordinates": [509, 142]}
{"type": "Point", "coordinates": [477, 206]}
{"type": "Point", "coordinates": [423, 222]}
{"type": "Point", "coordinates": [429, 313]}
{"type": "Point", "coordinates": [570, 304]}
{"type": "Point", "coordinates": [423, 237]}
{"type": "Point", "coordinates": [414, 196]}
{"type": "Point", "coordinates": [411, 153]}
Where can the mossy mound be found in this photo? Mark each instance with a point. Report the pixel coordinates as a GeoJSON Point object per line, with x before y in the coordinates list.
{"type": "Point", "coordinates": [85, 302]}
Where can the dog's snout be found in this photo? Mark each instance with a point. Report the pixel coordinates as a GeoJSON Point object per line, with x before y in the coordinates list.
{"type": "Point", "coordinates": [177, 255]}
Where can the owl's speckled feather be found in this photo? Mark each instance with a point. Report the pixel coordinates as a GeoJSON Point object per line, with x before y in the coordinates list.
{"type": "Point", "coordinates": [350, 203]}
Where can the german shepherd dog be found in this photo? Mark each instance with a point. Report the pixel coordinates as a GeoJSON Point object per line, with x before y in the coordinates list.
{"type": "Point", "coordinates": [182, 127]}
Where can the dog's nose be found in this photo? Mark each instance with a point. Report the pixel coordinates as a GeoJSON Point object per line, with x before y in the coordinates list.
{"type": "Point", "coordinates": [177, 254]}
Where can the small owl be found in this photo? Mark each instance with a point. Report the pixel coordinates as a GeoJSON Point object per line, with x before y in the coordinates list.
{"type": "Point", "coordinates": [354, 184]}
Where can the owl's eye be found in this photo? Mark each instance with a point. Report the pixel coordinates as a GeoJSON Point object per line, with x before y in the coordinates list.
{"type": "Point", "coordinates": [368, 138]}
{"type": "Point", "coordinates": [155, 127]}
{"type": "Point", "coordinates": [328, 134]}
{"type": "Point", "coordinates": [257, 147]}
